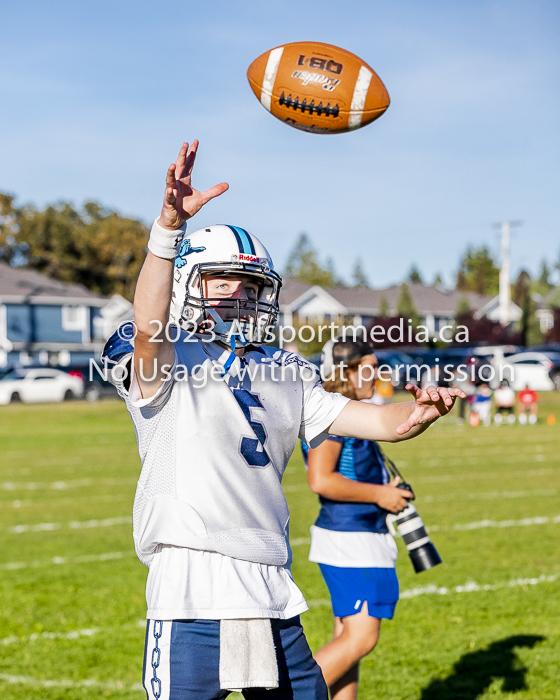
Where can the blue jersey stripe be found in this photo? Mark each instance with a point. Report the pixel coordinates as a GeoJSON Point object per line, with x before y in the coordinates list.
{"type": "Point", "coordinates": [346, 461]}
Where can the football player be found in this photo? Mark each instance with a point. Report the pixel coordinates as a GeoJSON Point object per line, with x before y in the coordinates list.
{"type": "Point", "coordinates": [217, 416]}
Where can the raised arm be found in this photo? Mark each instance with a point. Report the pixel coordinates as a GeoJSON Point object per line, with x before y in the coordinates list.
{"type": "Point", "coordinates": [397, 421]}
{"type": "Point", "coordinates": [327, 482]}
{"type": "Point", "coordinates": [152, 351]}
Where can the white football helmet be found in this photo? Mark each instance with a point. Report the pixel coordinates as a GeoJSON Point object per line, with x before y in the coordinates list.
{"type": "Point", "coordinates": [224, 250]}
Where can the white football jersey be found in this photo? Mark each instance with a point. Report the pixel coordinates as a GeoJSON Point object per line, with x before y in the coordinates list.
{"type": "Point", "coordinates": [214, 449]}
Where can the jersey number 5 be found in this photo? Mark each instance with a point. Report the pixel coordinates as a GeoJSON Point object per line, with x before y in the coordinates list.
{"type": "Point", "coordinates": [252, 449]}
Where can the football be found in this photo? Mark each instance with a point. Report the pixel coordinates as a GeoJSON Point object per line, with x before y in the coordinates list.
{"type": "Point", "coordinates": [318, 87]}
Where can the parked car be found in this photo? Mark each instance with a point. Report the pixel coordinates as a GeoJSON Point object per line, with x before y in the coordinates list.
{"type": "Point", "coordinates": [4, 371]}
{"type": "Point", "coordinates": [38, 385]}
{"type": "Point", "coordinates": [534, 369]}
{"type": "Point", "coordinates": [95, 387]}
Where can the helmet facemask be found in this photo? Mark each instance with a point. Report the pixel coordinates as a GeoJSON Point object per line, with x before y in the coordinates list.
{"type": "Point", "coordinates": [234, 321]}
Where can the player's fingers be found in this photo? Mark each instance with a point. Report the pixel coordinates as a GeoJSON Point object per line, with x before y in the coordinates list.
{"type": "Point", "coordinates": [170, 196]}
{"type": "Point", "coordinates": [215, 191]}
{"type": "Point", "coordinates": [446, 396]}
{"type": "Point", "coordinates": [189, 161]}
{"type": "Point", "coordinates": [414, 390]}
{"type": "Point", "coordinates": [181, 158]}
{"type": "Point", "coordinates": [170, 177]}
{"type": "Point", "coordinates": [433, 393]}
{"type": "Point", "coordinates": [396, 481]}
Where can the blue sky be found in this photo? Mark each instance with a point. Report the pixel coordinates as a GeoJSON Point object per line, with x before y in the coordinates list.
{"type": "Point", "coordinates": [97, 97]}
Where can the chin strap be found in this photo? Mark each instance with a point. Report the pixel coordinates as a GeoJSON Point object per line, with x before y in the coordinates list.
{"type": "Point", "coordinates": [223, 328]}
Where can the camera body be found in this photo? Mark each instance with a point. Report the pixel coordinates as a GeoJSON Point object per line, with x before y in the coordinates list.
{"type": "Point", "coordinates": [409, 525]}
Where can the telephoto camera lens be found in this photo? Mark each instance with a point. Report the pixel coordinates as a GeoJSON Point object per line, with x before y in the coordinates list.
{"type": "Point", "coordinates": [408, 524]}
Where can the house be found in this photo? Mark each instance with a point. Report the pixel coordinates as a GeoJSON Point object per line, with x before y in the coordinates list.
{"type": "Point", "coordinates": [436, 305]}
{"type": "Point", "coordinates": [545, 308]}
{"type": "Point", "coordinates": [47, 321]}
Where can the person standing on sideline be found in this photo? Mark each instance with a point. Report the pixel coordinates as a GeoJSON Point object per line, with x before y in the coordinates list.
{"type": "Point", "coordinates": [350, 540]}
{"type": "Point", "coordinates": [528, 401]}
{"type": "Point", "coordinates": [482, 405]}
{"type": "Point", "coordinates": [462, 381]}
{"type": "Point", "coordinates": [217, 415]}
{"type": "Point", "coordinates": [504, 396]}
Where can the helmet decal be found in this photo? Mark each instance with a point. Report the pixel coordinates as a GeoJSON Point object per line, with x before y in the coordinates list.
{"type": "Point", "coordinates": [185, 249]}
{"type": "Point", "coordinates": [243, 240]}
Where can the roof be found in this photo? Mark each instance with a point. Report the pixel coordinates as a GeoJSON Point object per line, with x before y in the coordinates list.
{"type": "Point", "coordinates": [436, 300]}
{"type": "Point", "coordinates": [19, 284]}
{"type": "Point", "coordinates": [291, 290]}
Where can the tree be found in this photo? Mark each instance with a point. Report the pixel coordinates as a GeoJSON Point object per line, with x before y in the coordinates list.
{"type": "Point", "coordinates": [92, 246]}
{"type": "Point", "coordinates": [542, 285]}
{"type": "Point", "coordinates": [359, 276]}
{"type": "Point", "coordinates": [484, 331]}
{"type": "Point", "coordinates": [11, 251]}
{"type": "Point", "coordinates": [478, 272]}
{"type": "Point", "coordinates": [529, 326]}
{"type": "Point", "coordinates": [463, 307]}
{"type": "Point", "coordinates": [414, 276]}
{"type": "Point", "coordinates": [383, 311]}
{"type": "Point", "coordinates": [303, 264]}
{"type": "Point", "coordinates": [406, 307]}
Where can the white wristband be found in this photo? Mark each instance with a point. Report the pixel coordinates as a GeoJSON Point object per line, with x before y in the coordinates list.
{"type": "Point", "coordinates": [163, 243]}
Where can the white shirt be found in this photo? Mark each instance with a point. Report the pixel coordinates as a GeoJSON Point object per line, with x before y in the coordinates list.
{"type": "Point", "coordinates": [504, 396]}
{"type": "Point", "coordinates": [352, 549]}
{"type": "Point", "coordinates": [188, 584]}
{"type": "Point", "coordinates": [213, 454]}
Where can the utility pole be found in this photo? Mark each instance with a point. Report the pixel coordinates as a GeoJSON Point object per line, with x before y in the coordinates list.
{"type": "Point", "coordinates": [505, 289]}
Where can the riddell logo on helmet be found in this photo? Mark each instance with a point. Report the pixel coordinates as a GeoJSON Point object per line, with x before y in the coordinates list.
{"type": "Point", "coordinates": [248, 258]}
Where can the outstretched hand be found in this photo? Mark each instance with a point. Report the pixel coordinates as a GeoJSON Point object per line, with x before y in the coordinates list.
{"type": "Point", "coordinates": [430, 404]}
{"type": "Point", "coordinates": [181, 200]}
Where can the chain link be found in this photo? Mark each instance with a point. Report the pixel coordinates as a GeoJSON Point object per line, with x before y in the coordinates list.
{"type": "Point", "coordinates": [156, 656]}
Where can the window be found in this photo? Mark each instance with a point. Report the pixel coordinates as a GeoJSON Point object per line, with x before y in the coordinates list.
{"type": "Point", "coordinates": [13, 375]}
{"type": "Point", "coordinates": [73, 318]}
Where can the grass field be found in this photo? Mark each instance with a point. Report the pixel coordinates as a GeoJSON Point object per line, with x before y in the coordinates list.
{"type": "Point", "coordinates": [482, 625]}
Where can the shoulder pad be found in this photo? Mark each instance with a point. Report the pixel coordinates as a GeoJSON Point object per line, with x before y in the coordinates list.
{"type": "Point", "coordinates": [120, 344]}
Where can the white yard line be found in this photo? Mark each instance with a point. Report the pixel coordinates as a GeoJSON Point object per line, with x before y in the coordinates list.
{"type": "Point", "coordinates": [489, 495]}
{"type": "Point", "coordinates": [59, 485]}
{"type": "Point", "coordinates": [524, 522]}
{"type": "Point", "coordinates": [446, 478]}
{"type": "Point", "coordinates": [469, 587]}
{"type": "Point", "coordinates": [72, 525]}
{"type": "Point", "coordinates": [57, 561]}
{"type": "Point", "coordinates": [62, 683]}
{"type": "Point", "coordinates": [74, 634]}
{"type": "Point", "coordinates": [28, 502]}
{"type": "Point", "coordinates": [473, 587]}
{"type": "Point", "coordinates": [476, 476]}
{"type": "Point", "coordinates": [477, 525]}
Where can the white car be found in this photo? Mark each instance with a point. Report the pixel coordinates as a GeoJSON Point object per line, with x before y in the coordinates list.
{"type": "Point", "coordinates": [38, 385]}
{"type": "Point", "coordinates": [528, 369]}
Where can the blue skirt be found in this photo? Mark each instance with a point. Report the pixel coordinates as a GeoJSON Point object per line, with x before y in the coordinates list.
{"type": "Point", "coordinates": [351, 588]}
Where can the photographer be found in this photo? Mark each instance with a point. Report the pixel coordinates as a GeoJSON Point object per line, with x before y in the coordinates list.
{"type": "Point", "coordinates": [350, 540]}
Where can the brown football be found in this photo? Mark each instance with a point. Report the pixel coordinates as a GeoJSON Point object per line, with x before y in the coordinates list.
{"type": "Point", "coordinates": [317, 87]}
